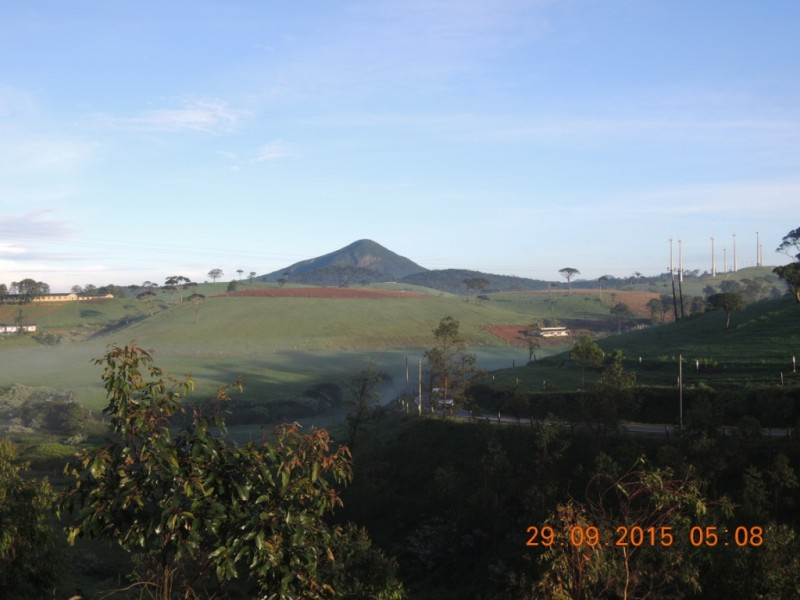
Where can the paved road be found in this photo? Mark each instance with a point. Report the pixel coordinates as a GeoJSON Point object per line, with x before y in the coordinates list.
{"type": "Point", "coordinates": [663, 429]}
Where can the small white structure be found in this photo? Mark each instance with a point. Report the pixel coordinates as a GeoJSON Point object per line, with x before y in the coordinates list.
{"type": "Point", "coordinates": [71, 297]}
{"type": "Point", "coordinates": [439, 400]}
{"type": "Point", "coordinates": [553, 332]}
{"type": "Point", "coordinates": [5, 328]}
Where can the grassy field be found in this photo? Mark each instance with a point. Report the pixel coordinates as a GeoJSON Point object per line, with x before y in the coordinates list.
{"type": "Point", "coordinates": [694, 286]}
{"type": "Point", "coordinates": [283, 345]}
{"type": "Point", "coordinates": [756, 350]}
{"type": "Point", "coordinates": [280, 345]}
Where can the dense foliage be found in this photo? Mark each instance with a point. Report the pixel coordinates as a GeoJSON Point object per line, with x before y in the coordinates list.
{"type": "Point", "coordinates": [29, 554]}
{"type": "Point", "coordinates": [790, 273]}
{"type": "Point", "coordinates": [197, 512]}
{"type": "Point", "coordinates": [462, 500]}
{"type": "Point", "coordinates": [450, 367]}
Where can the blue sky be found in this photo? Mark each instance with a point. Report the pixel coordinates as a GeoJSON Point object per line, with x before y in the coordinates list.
{"type": "Point", "coordinates": [142, 139]}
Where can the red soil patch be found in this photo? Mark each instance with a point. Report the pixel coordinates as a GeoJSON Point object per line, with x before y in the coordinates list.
{"type": "Point", "coordinates": [513, 334]}
{"type": "Point", "coordinates": [325, 292]}
{"type": "Point", "coordinates": [510, 333]}
{"type": "Point", "coordinates": [636, 301]}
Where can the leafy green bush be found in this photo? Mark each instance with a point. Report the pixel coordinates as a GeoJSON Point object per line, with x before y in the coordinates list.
{"type": "Point", "coordinates": [197, 513]}
{"type": "Point", "coordinates": [29, 560]}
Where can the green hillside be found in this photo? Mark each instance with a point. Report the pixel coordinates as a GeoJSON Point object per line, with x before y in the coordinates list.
{"type": "Point", "coordinates": [452, 280]}
{"type": "Point", "coordinates": [695, 285]}
{"type": "Point", "coordinates": [283, 345]}
{"type": "Point", "coordinates": [755, 351]}
{"type": "Point", "coordinates": [280, 345]}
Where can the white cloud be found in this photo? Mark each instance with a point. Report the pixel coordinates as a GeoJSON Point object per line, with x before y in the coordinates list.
{"type": "Point", "coordinates": [6, 248]}
{"type": "Point", "coordinates": [43, 155]}
{"type": "Point", "coordinates": [204, 115]}
{"type": "Point", "coordinates": [34, 226]}
{"type": "Point", "coordinates": [274, 151]}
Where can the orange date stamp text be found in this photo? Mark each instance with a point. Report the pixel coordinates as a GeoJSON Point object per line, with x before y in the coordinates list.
{"type": "Point", "coordinates": [636, 536]}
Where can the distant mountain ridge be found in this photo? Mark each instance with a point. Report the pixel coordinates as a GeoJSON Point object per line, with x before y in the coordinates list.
{"type": "Point", "coordinates": [363, 261]}
{"type": "Point", "coordinates": [453, 281]}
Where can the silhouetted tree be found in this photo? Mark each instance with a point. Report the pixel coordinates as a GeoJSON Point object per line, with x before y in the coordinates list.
{"type": "Point", "coordinates": [362, 393]}
{"type": "Point", "coordinates": [568, 273]}
{"type": "Point", "coordinates": [587, 354]}
{"type": "Point", "coordinates": [791, 275]}
{"type": "Point", "coordinates": [173, 284]}
{"type": "Point", "coordinates": [147, 296]}
{"type": "Point", "coordinates": [197, 301]}
{"type": "Point", "coordinates": [450, 366]}
{"type": "Point", "coordinates": [476, 283]}
{"type": "Point", "coordinates": [727, 302]}
{"type": "Point", "coordinates": [790, 245]}
{"type": "Point", "coordinates": [621, 311]}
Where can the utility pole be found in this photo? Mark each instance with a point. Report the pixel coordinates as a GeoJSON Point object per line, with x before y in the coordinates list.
{"type": "Point", "coordinates": [419, 390]}
{"type": "Point", "coordinates": [734, 253]}
{"type": "Point", "coordinates": [680, 275]}
{"type": "Point", "coordinates": [758, 251]}
{"type": "Point", "coordinates": [713, 259]}
{"type": "Point", "coordinates": [680, 393]}
{"type": "Point", "coordinates": [724, 260]}
{"type": "Point", "coordinates": [672, 277]}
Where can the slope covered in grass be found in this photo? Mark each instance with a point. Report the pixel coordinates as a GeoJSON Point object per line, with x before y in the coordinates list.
{"type": "Point", "coordinates": [281, 345]}
{"type": "Point", "coordinates": [756, 350]}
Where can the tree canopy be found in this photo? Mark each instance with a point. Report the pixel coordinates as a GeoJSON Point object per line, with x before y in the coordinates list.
{"type": "Point", "coordinates": [587, 354]}
{"type": "Point", "coordinates": [728, 302]}
{"type": "Point", "coordinates": [476, 283]}
{"type": "Point", "coordinates": [790, 273]}
{"type": "Point", "coordinates": [450, 366]}
{"type": "Point", "coordinates": [197, 511]}
{"type": "Point", "coordinates": [790, 243]}
{"type": "Point", "coordinates": [621, 312]}
{"type": "Point", "coordinates": [362, 395]}
{"type": "Point", "coordinates": [568, 273]}
{"type": "Point", "coordinates": [29, 565]}
{"type": "Point", "coordinates": [643, 499]}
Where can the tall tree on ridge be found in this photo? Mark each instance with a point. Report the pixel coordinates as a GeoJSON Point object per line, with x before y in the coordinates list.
{"type": "Point", "coordinates": [568, 273]}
